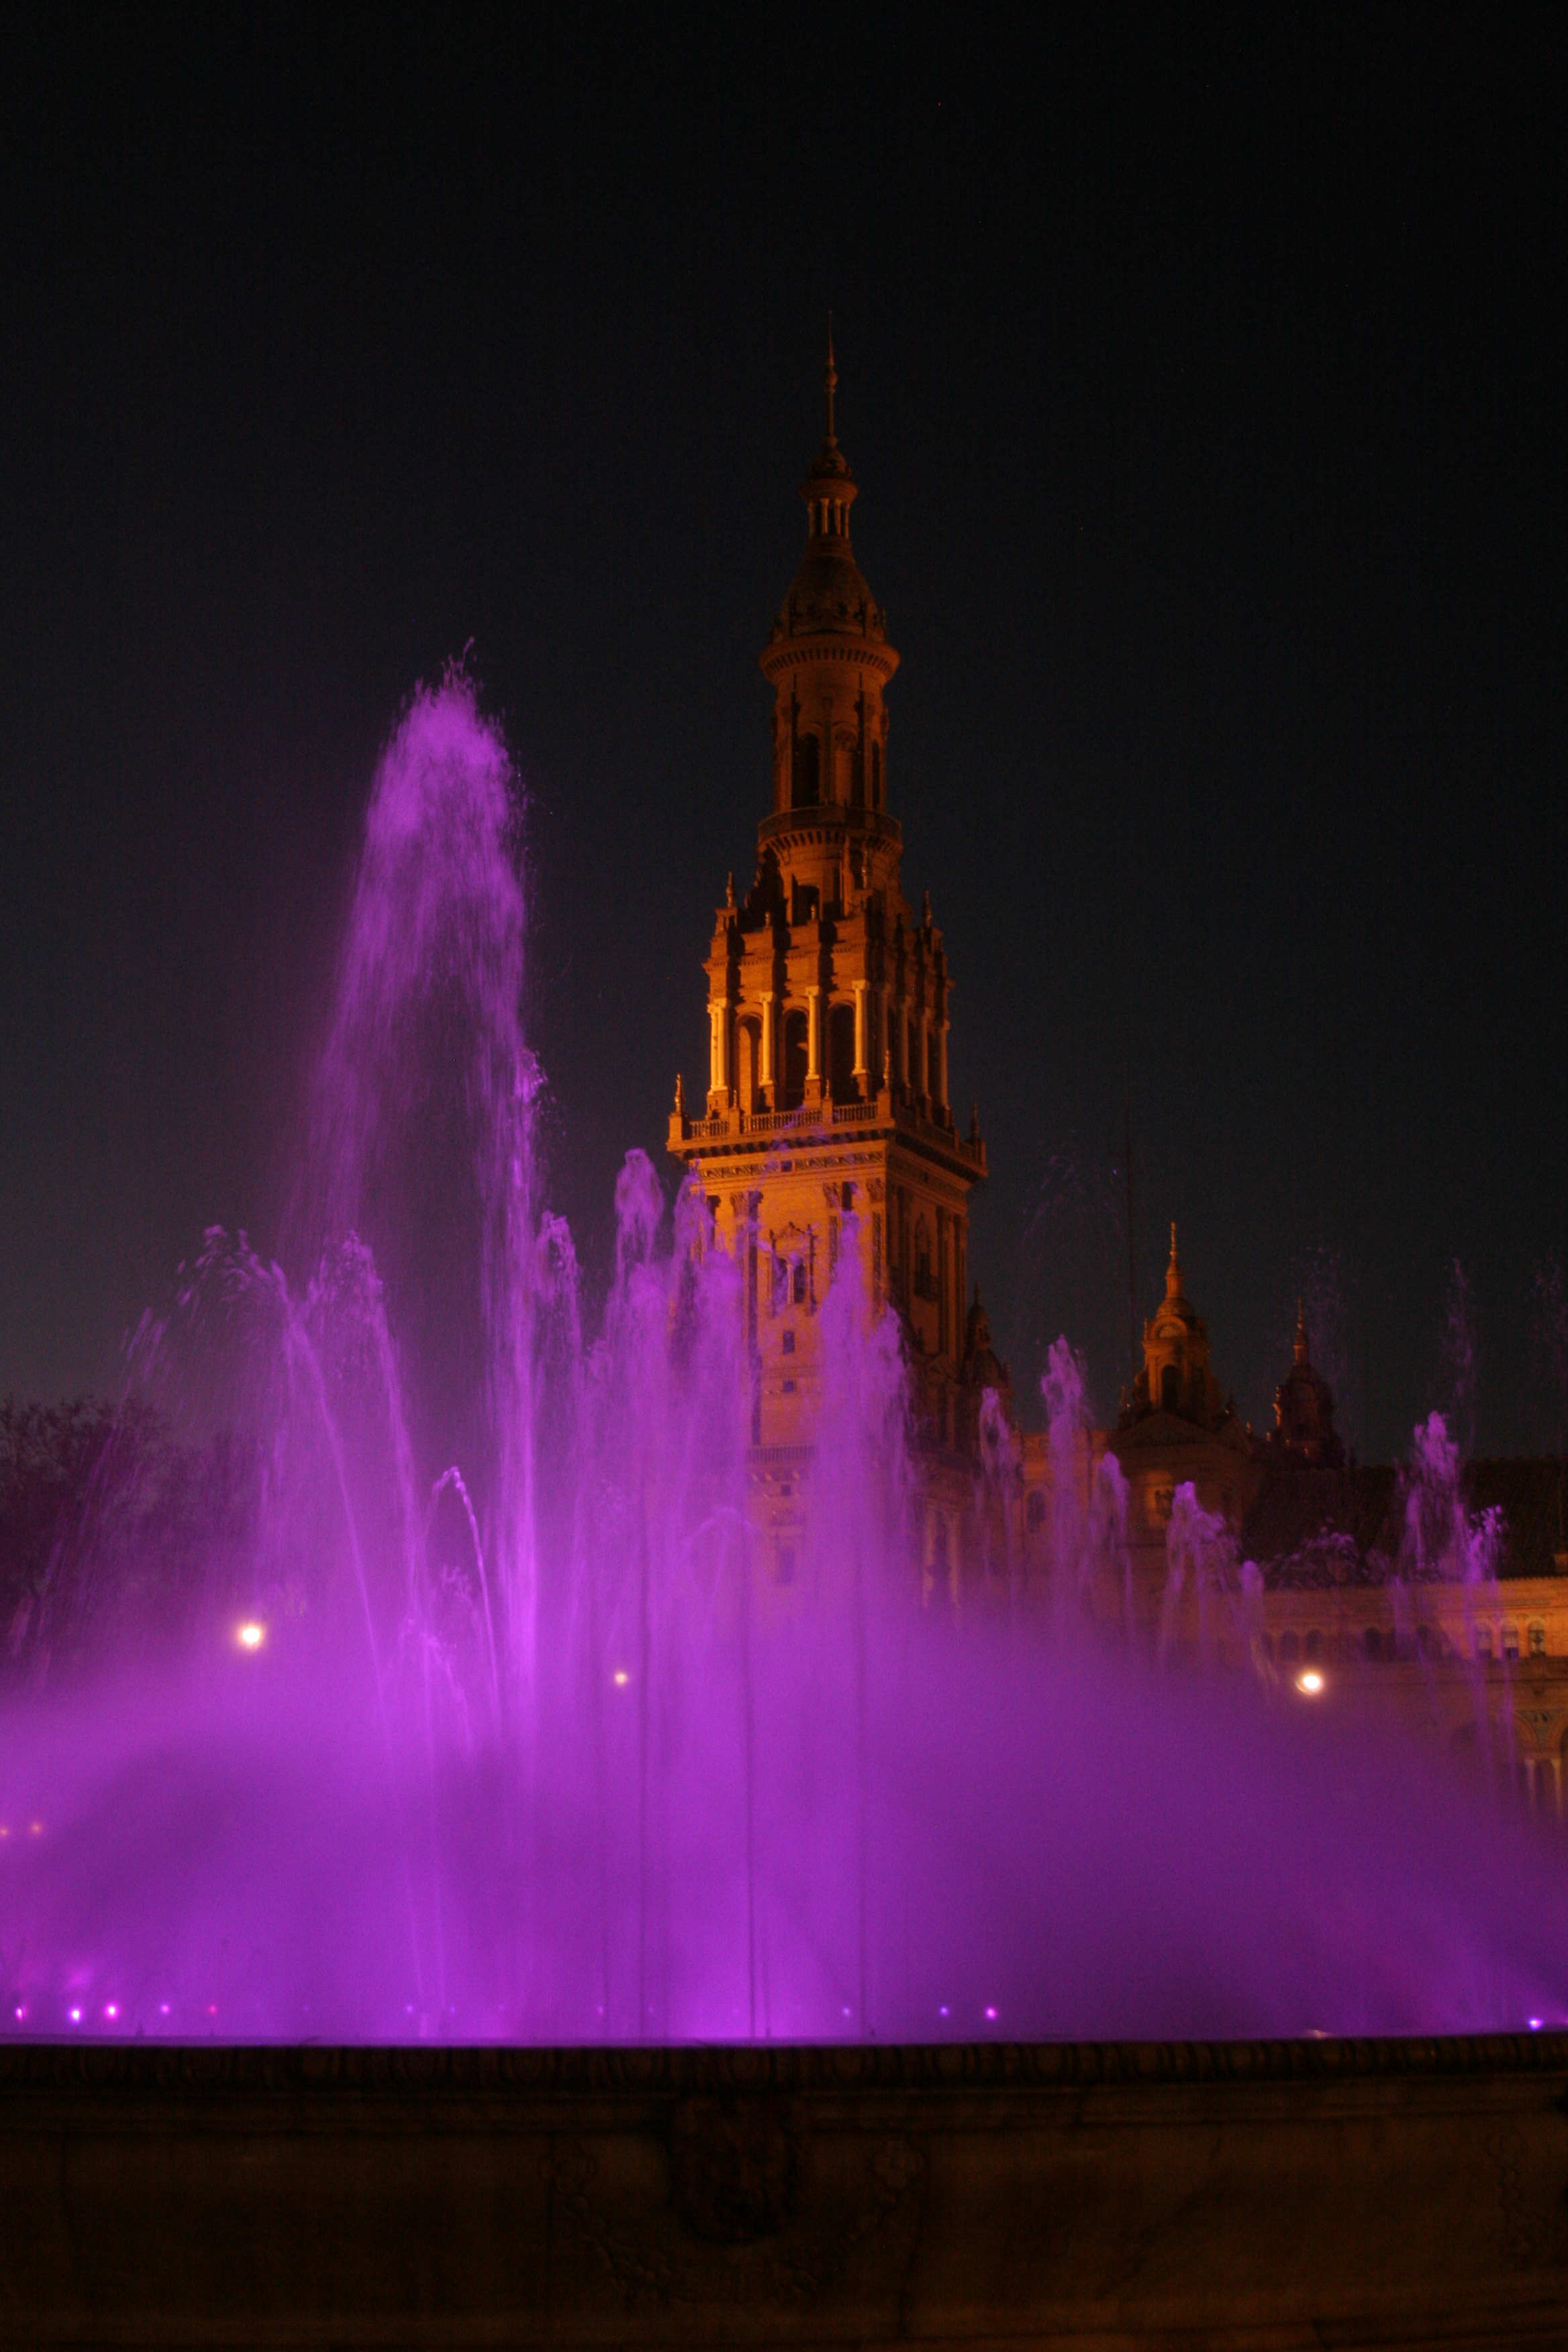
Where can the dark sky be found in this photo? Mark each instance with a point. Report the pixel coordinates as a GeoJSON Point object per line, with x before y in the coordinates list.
{"type": "Point", "coordinates": [1204, 384]}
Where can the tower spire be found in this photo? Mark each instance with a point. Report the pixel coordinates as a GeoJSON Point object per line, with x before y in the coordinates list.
{"type": "Point", "coordinates": [830, 380]}
{"type": "Point", "coordinates": [1174, 1271]}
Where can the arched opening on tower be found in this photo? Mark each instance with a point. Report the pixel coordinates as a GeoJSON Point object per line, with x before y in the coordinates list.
{"type": "Point", "coordinates": [795, 1060]}
{"type": "Point", "coordinates": [924, 1285]}
{"type": "Point", "coordinates": [841, 1054]}
{"type": "Point", "coordinates": [808, 771]}
{"type": "Point", "coordinates": [876, 775]}
{"type": "Point", "coordinates": [1170, 1388]}
{"type": "Point", "coordinates": [843, 789]}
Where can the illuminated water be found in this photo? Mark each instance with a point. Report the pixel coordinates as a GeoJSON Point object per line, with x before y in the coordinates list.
{"type": "Point", "coordinates": [489, 1717]}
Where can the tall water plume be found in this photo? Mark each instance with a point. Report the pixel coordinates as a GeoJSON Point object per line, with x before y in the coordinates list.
{"type": "Point", "coordinates": [423, 1134]}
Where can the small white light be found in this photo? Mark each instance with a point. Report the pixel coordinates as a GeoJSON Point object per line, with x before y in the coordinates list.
{"type": "Point", "coordinates": [621, 1678]}
{"type": "Point", "coordinates": [1310, 1681]}
{"type": "Point", "coordinates": [251, 1635]}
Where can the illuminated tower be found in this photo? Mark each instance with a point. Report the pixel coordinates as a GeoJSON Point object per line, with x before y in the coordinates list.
{"type": "Point", "coordinates": [829, 1004]}
{"type": "Point", "coordinates": [1178, 1424]}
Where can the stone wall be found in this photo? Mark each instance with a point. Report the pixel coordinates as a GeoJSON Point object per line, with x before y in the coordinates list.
{"type": "Point", "coordinates": [1247, 2195]}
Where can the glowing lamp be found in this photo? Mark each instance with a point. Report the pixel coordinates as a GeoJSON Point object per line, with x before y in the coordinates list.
{"type": "Point", "coordinates": [251, 1636]}
{"type": "Point", "coordinates": [1310, 1681]}
{"type": "Point", "coordinates": [621, 1678]}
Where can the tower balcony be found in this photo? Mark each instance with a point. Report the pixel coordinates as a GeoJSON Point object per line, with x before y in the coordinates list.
{"type": "Point", "coordinates": [889, 1115]}
{"type": "Point", "coordinates": [813, 826]}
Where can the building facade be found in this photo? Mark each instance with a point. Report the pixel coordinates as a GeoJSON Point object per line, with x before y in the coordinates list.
{"type": "Point", "coordinates": [827, 1128]}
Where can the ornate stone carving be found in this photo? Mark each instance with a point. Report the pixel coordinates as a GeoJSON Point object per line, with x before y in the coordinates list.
{"type": "Point", "coordinates": [736, 2167]}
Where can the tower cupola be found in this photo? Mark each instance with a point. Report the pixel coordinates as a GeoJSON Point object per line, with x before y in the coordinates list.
{"type": "Point", "coordinates": [1304, 1409]}
{"type": "Point", "coordinates": [1176, 1375]}
{"type": "Point", "coordinates": [827, 659]}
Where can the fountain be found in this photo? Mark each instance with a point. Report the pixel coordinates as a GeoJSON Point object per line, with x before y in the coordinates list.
{"type": "Point", "coordinates": [485, 1783]}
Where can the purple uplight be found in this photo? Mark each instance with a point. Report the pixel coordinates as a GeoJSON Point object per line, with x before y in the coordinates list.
{"type": "Point", "coordinates": [542, 1749]}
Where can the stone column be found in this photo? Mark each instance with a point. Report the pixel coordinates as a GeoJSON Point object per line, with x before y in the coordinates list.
{"type": "Point", "coordinates": [925, 1073]}
{"type": "Point", "coordinates": [716, 1022]}
{"type": "Point", "coordinates": [862, 1043]}
{"type": "Point", "coordinates": [812, 1035]}
{"type": "Point", "coordinates": [941, 1030]}
{"type": "Point", "coordinates": [765, 999]}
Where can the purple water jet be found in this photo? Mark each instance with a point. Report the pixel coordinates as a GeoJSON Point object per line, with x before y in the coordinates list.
{"type": "Point", "coordinates": [489, 1719]}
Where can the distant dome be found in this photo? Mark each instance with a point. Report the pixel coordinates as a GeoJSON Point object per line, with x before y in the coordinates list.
{"type": "Point", "coordinates": [1304, 1409]}
{"type": "Point", "coordinates": [983, 1368]}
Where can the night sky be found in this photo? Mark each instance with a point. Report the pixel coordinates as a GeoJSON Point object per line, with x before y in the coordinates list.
{"type": "Point", "coordinates": [1205, 385]}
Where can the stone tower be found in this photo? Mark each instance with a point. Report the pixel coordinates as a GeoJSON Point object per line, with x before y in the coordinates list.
{"type": "Point", "coordinates": [829, 1004]}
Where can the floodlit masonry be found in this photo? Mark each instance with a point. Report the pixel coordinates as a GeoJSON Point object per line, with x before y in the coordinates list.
{"type": "Point", "coordinates": [830, 1015]}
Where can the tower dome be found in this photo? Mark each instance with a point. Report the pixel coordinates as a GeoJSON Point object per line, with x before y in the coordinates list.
{"type": "Point", "coordinates": [1304, 1409]}
{"type": "Point", "coordinates": [1175, 1376]}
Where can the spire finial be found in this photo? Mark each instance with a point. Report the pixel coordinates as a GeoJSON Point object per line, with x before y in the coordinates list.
{"type": "Point", "coordinates": [1174, 1271]}
{"type": "Point", "coordinates": [1300, 1350]}
{"type": "Point", "coordinates": [831, 378]}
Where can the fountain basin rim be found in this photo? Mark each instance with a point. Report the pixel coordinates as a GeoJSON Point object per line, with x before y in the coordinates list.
{"type": "Point", "coordinates": [716, 2069]}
